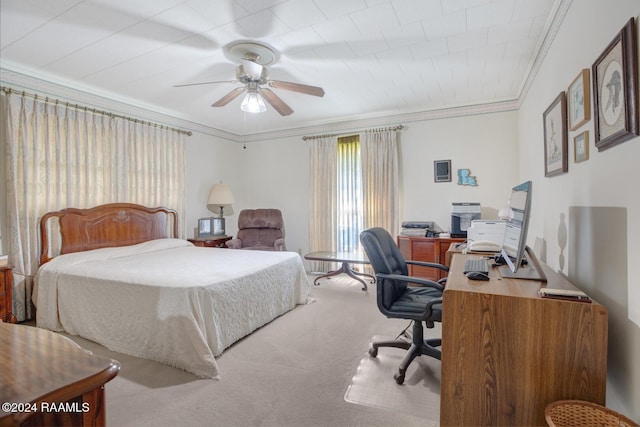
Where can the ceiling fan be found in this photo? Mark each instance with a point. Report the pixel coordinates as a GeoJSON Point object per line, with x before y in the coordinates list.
{"type": "Point", "coordinates": [254, 75]}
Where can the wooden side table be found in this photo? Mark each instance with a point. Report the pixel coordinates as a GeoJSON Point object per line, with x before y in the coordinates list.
{"type": "Point", "coordinates": [6, 299]}
{"type": "Point", "coordinates": [213, 242]}
{"type": "Point", "coordinates": [47, 379]}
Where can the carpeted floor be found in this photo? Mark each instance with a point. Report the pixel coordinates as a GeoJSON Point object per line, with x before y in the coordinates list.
{"type": "Point", "coordinates": [309, 367]}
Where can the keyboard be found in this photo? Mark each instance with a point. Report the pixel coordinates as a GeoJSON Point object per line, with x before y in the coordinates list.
{"type": "Point", "coordinates": [477, 264]}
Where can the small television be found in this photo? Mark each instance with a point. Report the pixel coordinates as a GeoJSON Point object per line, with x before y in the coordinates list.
{"type": "Point", "coordinates": [210, 227]}
{"type": "Point", "coordinates": [521, 260]}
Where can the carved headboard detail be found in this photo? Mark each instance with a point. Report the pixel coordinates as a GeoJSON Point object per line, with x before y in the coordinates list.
{"type": "Point", "coordinates": [110, 225]}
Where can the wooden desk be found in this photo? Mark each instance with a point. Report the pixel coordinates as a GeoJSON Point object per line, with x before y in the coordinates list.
{"type": "Point", "coordinates": [429, 249]}
{"type": "Point", "coordinates": [54, 381]}
{"type": "Point", "coordinates": [507, 353]}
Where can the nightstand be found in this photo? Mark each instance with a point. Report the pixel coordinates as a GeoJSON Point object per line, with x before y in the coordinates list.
{"type": "Point", "coordinates": [6, 301]}
{"type": "Point", "coordinates": [212, 242]}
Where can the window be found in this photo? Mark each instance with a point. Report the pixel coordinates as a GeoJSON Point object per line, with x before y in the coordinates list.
{"type": "Point", "coordinates": [349, 206]}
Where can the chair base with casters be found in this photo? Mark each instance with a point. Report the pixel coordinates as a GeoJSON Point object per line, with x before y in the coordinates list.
{"type": "Point", "coordinates": [420, 302]}
{"type": "Point", "coordinates": [417, 347]}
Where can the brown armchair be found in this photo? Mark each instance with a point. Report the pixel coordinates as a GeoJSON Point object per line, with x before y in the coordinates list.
{"type": "Point", "coordinates": [259, 229]}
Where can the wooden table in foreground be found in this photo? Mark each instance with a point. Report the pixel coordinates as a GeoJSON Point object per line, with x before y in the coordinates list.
{"type": "Point", "coordinates": [507, 353]}
{"type": "Point", "coordinates": [49, 380]}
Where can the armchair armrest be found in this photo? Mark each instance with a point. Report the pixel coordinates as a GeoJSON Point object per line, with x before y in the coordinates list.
{"type": "Point", "coordinates": [279, 244]}
{"type": "Point", "coordinates": [428, 264]}
{"type": "Point", "coordinates": [234, 243]}
{"type": "Point", "coordinates": [411, 279]}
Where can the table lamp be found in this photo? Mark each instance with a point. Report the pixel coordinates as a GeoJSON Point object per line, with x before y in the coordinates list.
{"type": "Point", "coordinates": [221, 195]}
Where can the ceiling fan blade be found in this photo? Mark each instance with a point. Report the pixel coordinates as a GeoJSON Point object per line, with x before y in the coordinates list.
{"type": "Point", "coordinates": [276, 102]}
{"type": "Point", "coordinates": [297, 87]}
{"type": "Point", "coordinates": [251, 68]}
{"type": "Point", "coordinates": [229, 97]}
{"type": "Point", "coordinates": [206, 83]}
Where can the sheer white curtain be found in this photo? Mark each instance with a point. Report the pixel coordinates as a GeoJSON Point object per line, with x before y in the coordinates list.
{"type": "Point", "coordinates": [380, 181]}
{"type": "Point", "coordinates": [60, 156]}
{"type": "Point", "coordinates": [323, 164]}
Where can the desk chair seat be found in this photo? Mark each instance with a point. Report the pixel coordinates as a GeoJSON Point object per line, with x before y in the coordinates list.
{"type": "Point", "coordinates": [420, 303]}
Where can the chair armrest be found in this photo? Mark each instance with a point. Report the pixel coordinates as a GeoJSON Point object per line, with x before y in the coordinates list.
{"type": "Point", "coordinates": [279, 244]}
{"type": "Point", "coordinates": [422, 282]}
{"type": "Point", "coordinates": [429, 310]}
{"type": "Point", "coordinates": [428, 264]}
{"type": "Point", "coordinates": [234, 243]}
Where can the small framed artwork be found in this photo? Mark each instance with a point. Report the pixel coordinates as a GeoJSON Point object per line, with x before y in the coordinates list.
{"type": "Point", "coordinates": [578, 100]}
{"type": "Point", "coordinates": [442, 171]}
{"type": "Point", "coordinates": [615, 90]}
{"type": "Point", "coordinates": [555, 137]}
{"type": "Point", "coordinates": [581, 147]}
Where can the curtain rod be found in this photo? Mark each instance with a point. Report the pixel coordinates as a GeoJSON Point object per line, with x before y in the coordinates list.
{"type": "Point", "coordinates": [399, 127]}
{"type": "Point", "coordinates": [8, 90]}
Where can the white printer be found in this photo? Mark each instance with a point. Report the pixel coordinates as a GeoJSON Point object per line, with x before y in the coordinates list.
{"type": "Point", "coordinates": [487, 230]}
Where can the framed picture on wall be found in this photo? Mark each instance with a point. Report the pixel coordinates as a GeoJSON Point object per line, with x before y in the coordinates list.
{"type": "Point", "coordinates": [578, 100]}
{"type": "Point", "coordinates": [615, 90]}
{"type": "Point", "coordinates": [555, 137]}
{"type": "Point", "coordinates": [442, 171]}
{"type": "Point", "coordinates": [581, 147]}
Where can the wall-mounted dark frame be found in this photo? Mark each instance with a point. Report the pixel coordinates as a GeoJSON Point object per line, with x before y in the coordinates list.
{"type": "Point", "coordinates": [556, 141]}
{"type": "Point", "coordinates": [615, 90]}
{"type": "Point", "coordinates": [442, 171]}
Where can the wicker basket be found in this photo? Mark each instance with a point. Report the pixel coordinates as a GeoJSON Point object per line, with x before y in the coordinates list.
{"type": "Point", "coordinates": [565, 413]}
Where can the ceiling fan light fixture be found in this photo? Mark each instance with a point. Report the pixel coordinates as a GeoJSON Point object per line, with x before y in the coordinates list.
{"type": "Point", "coordinates": [253, 103]}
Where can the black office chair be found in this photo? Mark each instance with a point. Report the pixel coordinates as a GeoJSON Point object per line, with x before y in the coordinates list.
{"type": "Point", "coordinates": [422, 303]}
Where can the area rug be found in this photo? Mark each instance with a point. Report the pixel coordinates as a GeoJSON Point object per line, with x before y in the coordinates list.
{"type": "Point", "coordinates": [373, 385]}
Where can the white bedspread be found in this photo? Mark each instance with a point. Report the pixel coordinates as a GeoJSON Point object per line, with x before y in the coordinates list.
{"type": "Point", "coordinates": [167, 300]}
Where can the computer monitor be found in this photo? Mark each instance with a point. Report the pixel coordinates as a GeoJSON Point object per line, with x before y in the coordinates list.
{"type": "Point", "coordinates": [514, 247]}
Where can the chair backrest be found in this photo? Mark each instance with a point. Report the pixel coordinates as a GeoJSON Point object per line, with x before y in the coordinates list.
{"type": "Point", "coordinates": [385, 258]}
{"type": "Point", "coordinates": [260, 227]}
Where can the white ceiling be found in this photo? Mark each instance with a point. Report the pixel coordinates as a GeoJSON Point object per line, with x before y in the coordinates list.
{"type": "Point", "coordinates": [374, 58]}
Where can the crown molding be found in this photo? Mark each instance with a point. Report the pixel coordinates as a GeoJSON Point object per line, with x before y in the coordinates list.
{"type": "Point", "coordinates": [21, 81]}
{"type": "Point", "coordinates": [561, 7]}
{"type": "Point", "coordinates": [358, 124]}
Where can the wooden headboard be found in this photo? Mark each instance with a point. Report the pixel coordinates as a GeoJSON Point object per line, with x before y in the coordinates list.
{"type": "Point", "coordinates": [110, 225]}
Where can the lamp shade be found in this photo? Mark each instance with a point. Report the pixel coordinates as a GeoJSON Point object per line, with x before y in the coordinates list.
{"type": "Point", "coordinates": [221, 195]}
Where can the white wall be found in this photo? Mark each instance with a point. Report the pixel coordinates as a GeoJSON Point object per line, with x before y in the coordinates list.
{"type": "Point", "coordinates": [275, 173]}
{"type": "Point", "coordinates": [585, 216]}
{"type": "Point", "coordinates": [487, 144]}
{"type": "Point", "coordinates": [209, 160]}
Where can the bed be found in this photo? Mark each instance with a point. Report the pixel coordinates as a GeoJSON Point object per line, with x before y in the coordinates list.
{"type": "Point", "coordinates": [116, 275]}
